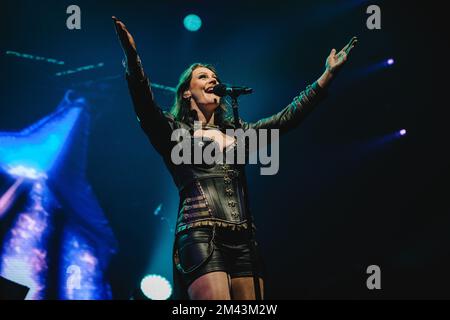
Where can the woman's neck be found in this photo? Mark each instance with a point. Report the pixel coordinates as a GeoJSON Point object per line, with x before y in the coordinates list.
{"type": "Point", "coordinates": [204, 117]}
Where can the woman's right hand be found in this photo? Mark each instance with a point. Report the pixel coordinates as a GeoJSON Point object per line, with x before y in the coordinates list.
{"type": "Point", "coordinates": [125, 38]}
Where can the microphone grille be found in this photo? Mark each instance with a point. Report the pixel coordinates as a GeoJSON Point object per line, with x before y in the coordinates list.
{"type": "Point", "coordinates": [220, 90]}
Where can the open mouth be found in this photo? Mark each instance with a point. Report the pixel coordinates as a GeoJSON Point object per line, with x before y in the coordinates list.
{"type": "Point", "coordinates": [209, 90]}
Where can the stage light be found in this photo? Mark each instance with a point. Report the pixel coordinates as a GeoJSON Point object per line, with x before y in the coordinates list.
{"type": "Point", "coordinates": [390, 62]}
{"type": "Point", "coordinates": [24, 250]}
{"type": "Point", "coordinates": [26, 172]}
{"type": "Point", "coordinates": [192, 22]}
{"type": "Point", "coordinates": [79, 69]}
{"type": "Point", "coordinates": [33, 57]}
{"type": "Point", "coordinates": [47, 151]}
{"type": "Point", "coordinates": [33, 151]}
{"type": "Point", "coordinates": [81, 277]}
{"type": "Point", "coordinates": [156, 287]}
{"type": "Point", "coordinates": [158, 210]}
{"type": "Point", "coordinates": [402, 132]}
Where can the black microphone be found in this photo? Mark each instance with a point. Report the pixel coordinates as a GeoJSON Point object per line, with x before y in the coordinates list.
{"type": "Point", "coordinates": [223, 90]}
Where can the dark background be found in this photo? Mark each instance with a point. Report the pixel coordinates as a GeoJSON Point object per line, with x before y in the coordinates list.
{"type": "Point", "coordinates": [349, 193]}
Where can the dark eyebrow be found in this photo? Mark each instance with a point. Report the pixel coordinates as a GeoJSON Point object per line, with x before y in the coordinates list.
{"type": "Point", "coordinates": [214, 75]}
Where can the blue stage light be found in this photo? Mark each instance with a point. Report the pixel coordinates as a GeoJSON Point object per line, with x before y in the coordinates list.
{"type": "Point", "coordinates": [43, 156]}
{"type": "Point", "coordinates": [81, 277]}
{"type": "Point", "coordinates": [390, 62]}
{"type": "Point", "coordinates": [36, 148]}
{"type": "Point", "coordinates": [192, 22]}
{"type": "Point", "coordinates": [33, 57]}
{"type": "Point", "coordinates": [156, 287]}
{"type": "Point", "coordinates": [25, 172]}
{"type": "Point", "coordinates": [158, 210]}
{"type": "Point", "coordinates": [402, 132]}
{"type": "Point", "coordinates": [24, 250]}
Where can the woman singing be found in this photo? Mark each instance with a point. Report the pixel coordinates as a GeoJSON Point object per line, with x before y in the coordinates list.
{"type": "Point", "coordinates": [211, 254]}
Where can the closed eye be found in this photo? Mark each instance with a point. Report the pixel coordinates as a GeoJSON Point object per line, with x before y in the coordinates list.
{"type": "Point", "coordinates": [204, 75]}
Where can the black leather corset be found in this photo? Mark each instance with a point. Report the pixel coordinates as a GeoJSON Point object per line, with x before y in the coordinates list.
{"type": "Point", "coordinates": [213, 199]}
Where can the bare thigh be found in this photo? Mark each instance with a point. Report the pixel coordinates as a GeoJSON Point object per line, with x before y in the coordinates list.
{"type": "Point", "coordinates": [211, 286]}
{"type": "Point", "coordinates": [242, 288]}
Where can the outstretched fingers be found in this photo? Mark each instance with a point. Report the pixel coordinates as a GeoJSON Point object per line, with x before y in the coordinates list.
{"type": "Point", "coordinates": [350, 45]}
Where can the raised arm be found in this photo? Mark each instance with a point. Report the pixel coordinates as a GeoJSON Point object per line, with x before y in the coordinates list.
{"type": "Point", "coordinates": [334, 62]}
{"type": "Point", "coordinates": [152, 119]}
{"type": "Point", "coordinates": [292, 115]}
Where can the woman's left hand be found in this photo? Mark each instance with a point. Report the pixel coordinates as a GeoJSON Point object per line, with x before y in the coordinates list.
{"type": "Point", "coordinates": [335, 61]}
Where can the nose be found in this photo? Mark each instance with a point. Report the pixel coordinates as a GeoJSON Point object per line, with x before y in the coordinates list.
{"type": "Point", "coordinates": [213, 81]}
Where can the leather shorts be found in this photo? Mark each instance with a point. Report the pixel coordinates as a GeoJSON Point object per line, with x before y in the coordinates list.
{"type": "Point", "coordinates": [199, 251]}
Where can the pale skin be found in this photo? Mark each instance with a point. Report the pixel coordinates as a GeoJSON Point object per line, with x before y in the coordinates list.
{"type": "Point", "coordinates": [219, 285]}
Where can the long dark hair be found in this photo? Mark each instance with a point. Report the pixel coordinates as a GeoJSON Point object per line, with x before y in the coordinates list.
{"type": "Point", "coordinates": [182, 106]}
